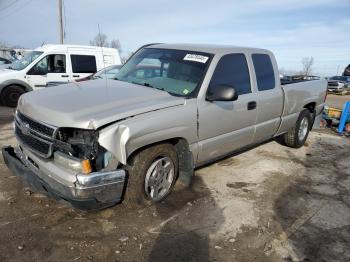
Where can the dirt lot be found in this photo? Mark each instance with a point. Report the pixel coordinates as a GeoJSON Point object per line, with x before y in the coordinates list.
{"type": "Point", "coordinates": [337, 101]}
{"type": "Point", "coordinates": [271, 203]}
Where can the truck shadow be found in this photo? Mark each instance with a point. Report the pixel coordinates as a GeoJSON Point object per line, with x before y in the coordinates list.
{"type": "Point", "coordinates": [314, 210]}
{"type": "Point", "coordinates": [185, 237]}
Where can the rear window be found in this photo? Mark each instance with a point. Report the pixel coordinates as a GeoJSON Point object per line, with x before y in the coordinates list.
{"type": "Point", "coordinates": [83, 63]}
{"type": "Point", "coordinates": [265, 75]}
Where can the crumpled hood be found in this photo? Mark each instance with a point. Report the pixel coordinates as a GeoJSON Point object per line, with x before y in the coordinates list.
{"type": "Point", "coordinates": [92, 104]}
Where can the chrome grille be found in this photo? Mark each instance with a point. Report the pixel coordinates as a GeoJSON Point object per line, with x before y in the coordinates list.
{"type": "Point", "coordinates": [36, 136]}
{"type": "Point", "coordinates": [34, 125]}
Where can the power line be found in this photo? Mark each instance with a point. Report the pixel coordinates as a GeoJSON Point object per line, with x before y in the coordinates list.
{"type": "Point", "coordinates": [11, 4]}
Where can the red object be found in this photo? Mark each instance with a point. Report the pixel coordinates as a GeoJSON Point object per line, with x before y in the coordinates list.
{"type": "Point", "coordinates": [347, 127]}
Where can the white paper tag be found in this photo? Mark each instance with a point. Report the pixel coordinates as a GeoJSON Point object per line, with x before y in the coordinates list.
{"type": "Point", "coordinates": [196, 58]}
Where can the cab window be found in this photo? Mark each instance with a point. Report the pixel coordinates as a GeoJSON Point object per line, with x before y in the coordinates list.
{"type": "Point", "coordinates": [232, 70]}
{"type": "Point", "coordinates": [265, 76]}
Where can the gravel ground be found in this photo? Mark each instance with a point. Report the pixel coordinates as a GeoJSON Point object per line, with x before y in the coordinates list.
{"type": "Point", "coordinates": [270, 203]}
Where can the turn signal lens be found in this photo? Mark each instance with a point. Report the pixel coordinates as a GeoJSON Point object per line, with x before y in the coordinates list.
{"type": "Point", "coordinates": [86, 166]}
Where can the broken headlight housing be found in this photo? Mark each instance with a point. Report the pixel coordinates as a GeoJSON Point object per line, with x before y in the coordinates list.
{"type": "Point", "coordinates": [78, 150]}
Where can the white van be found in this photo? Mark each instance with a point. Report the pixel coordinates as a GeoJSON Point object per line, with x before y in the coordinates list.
{"type": "Point", "coordinates": [51, 65]}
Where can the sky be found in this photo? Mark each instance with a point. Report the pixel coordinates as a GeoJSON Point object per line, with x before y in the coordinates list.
{"type": "Point", "coordinates": [292, 29]}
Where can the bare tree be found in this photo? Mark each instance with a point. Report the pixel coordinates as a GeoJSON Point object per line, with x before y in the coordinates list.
{"type": "Point", "coordinates": [307, 65]}
{"type": "Point", "coordinates": [100, 40]}
{"type": "Point", "coordinates": [115, 43]}
{"type": "Point", "coordinates": [126, 57]}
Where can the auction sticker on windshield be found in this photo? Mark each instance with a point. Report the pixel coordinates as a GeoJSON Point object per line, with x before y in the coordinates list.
{"type": "Point", "coordinates": [196, 58]}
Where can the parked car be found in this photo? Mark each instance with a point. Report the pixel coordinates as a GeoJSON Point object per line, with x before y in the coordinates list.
{"type": "Point", "coordinates": [4, 62]}
{"type": "Point", "coordinates": [143, 71]}
{"type": "Point", "coordinates": [105, 73]}
{"type": "Point", "coordinates": [339, 84]}
{"type": "Point", "coordinates": [52, 65]}
{"type": "Point", "coordinates": [132, 139]}
{"type": "Point", "coordinates": [347, 71]}
{"type": "Point", "coordinates": [108, 72]}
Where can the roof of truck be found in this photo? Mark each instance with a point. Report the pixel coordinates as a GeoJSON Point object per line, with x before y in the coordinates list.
{"type": "Point", "coordinates": [209, 48]}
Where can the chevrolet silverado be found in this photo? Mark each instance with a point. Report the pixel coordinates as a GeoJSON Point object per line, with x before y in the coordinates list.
{"type": "Point", "coordinates": [99, 142]}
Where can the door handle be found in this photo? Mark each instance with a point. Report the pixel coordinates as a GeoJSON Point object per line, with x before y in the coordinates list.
{"type": "Point", "coordinates": [64, 75]}
{"type": "Point", "coordinates": [251, 105]}
{"type": "Point", "coordinates": [76, 75]}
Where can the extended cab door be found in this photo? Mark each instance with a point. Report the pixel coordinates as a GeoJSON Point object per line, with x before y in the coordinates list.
{"type": "Point", "coordinates": [225, 126]}
{"type": "Point", "coordinates": [83, 64]}
{"type": "Point", "coordinates": [50, 70]}
{"type": "Point", "coordinates": [270, 96]}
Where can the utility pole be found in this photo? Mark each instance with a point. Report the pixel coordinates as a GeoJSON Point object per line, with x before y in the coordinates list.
{"type": "Point", "coordinates": [60, 20]}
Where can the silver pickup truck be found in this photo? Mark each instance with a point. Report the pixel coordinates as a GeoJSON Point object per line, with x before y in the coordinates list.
{"type": "Point", "coordinates": [170, 109]}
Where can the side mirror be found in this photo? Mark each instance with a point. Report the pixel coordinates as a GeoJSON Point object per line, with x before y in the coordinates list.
{"type": "Point", "coordinates": [37, 71]}
{"type": "Point", "coordinates": [222, 93]}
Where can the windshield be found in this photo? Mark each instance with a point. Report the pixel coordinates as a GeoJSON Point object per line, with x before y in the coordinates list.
{"type": "Point", "coordinates": [26, 60]}
{"type": "Point", "coordinates": [177, 72]}
{"type": "Point", "coordinates": [340, 78]}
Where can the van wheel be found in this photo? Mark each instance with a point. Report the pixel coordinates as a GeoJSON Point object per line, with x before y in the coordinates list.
{"type": "Point", "coordinates": [152, 173]}
{"type": "Point", "coordinates": [297, 136]}
{"type": "Point", "coordinates": [10, 95]}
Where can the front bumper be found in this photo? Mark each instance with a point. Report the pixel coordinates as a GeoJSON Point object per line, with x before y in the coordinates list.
{"type": "Point", "coordinates": [97, 190]}
{"type": "Point", "coordinates": [335, 89]}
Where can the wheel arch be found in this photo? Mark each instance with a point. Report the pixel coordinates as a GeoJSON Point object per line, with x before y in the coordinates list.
{"type": "Point", "coordinates": [185, 157]}
{"type": "Point", "coordinates": [310, 106]}
{"type": "Point", "coordinates": [312, 109]}
{"type": "Point", "coordinates": [14, 82]}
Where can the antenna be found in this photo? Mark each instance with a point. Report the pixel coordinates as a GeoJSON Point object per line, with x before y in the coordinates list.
{"type": "Point", "coordinates": [103, 56]}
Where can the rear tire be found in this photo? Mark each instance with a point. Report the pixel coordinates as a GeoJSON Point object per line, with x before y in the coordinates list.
{"type": "Point", "coordinates": [140, 175]}
{"type": "Point", "coordinates": [10, 95]}
{"type": "Point", "coordinates": [297, 136]}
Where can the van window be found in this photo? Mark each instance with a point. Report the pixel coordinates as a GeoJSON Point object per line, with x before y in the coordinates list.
{"type": "Point", "coordinates": [56, 64]}
{"type": "Point", "coordinates": [49, 64]}
{"type": "Point", "coordinates": [265, 75]}
{"type": "Point", "coordinates": [83, 63]}
{"type": "Point", "coordinates": [232, 70]}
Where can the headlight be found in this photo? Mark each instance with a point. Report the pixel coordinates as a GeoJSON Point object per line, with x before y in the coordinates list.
{"type": "Point", "coordinates": [79, 143]}
{"type": "Point", "coordinates": [75, 164]}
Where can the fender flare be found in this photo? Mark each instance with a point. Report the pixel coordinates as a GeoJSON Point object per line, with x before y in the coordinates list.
{"type": "Point", "coordinates": [18, 82]}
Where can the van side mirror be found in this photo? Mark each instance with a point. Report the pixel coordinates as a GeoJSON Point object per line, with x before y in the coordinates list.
{"type": "Point", "coordinates": [36, 70]}
{"type": "Point", "coordinates": [222, 93]}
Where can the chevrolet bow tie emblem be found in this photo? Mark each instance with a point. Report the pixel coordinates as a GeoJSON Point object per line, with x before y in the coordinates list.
{"type": "Point", "coordinates": [25, 128]}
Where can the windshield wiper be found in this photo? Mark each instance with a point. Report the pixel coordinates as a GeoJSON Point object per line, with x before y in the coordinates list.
{"type": "Point", "coordinates": [149, 85]}
{"type": "Point", "coordinates": [156, 87]}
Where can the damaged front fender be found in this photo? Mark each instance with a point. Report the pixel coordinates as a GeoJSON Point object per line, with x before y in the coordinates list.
{"type": "Point", "coordinates": [125, 137]}
{"type": "Point", "coordinates": [114, 139]}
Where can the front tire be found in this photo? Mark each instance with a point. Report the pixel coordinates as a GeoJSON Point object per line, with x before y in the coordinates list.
{"type": "Point", "coordinates": [10, 95]}
{"type": "Point", "coordinates": [152, 173]}
{"type": "Point", "coordinates": [297, 136]}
